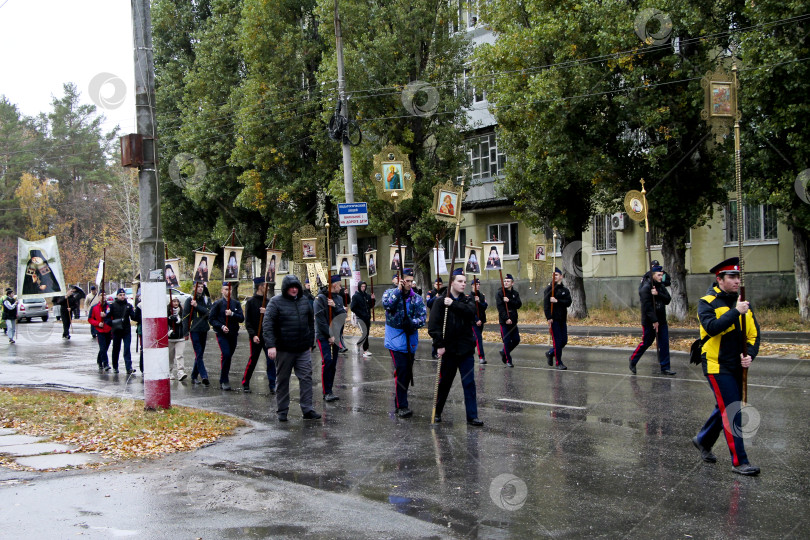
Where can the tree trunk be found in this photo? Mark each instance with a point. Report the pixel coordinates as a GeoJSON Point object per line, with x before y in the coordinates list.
{"type": "Point", "coordinates": [673, 250]}
{"type": "Point", "coordinates": [572, 274]}
{"type": "Point", "coordinates": [801, 270]}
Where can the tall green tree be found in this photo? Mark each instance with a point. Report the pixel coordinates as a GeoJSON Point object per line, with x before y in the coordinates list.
{"type": "Point", "coordinates": [775, 83]}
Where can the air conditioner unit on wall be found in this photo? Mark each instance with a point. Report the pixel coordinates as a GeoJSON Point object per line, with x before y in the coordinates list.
{"type": "Point", "coordinates": [617, 221]}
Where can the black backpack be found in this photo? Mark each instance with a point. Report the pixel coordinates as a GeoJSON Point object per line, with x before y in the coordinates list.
{"type": "Point", "coordinates": [696, 350]}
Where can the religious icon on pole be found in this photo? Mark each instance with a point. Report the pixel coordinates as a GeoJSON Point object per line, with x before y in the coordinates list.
{"type": "Point", "coordinates": [393, 177]}
{"type": "Point", "coordinates": [309, 248]}
{"type": "Point", "coordinates": [371, 262]}
{"type": "Point", "coordinates": [39, 268]}
{"type": "Point", "coordinates": [472, 256]}
{"type": "Point", "coordinates": [233, 258]}
{"type": "Point", "coordinates": [203, 260]}
{"type": "Point", "coordinates": [447, 202]}
{"type": "Point", "coordinates": [171, 271]}
{"type": "Point", "coordinates": [396, 261]}
{"type": "Point", "coordinates": [720, 98]}
{"type": "Point", "coordinates": [272, 265]}
{"type": "Point", "coordinates": [344, 268]}
{"type": "Point", "coordinates": [493, 252]}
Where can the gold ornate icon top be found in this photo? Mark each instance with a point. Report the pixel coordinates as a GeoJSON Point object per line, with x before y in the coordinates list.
{"type": "Point", "coordinates": [309, 245]}
{"type": "Point", "coordinates": [720, 102]}
{"type": "Point", "coordinates": [393, 178]}
{"type": "Point", "coordinates": [634, 205]}
{"type": "Point", "coordinates": [447, 199]}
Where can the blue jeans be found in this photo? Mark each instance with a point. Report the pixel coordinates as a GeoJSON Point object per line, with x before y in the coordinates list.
{"type": "Point", "coordinates": [198, 342]}
{"type": "Point", "coordinates": [104, 339]}
{"type": "Point", "coordinates": [118, 336]}
{"type": "Point", "coordinates": [647, 338]}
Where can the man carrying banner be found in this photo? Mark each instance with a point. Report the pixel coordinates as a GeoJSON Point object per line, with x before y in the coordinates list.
{"type": "Point", "coordinates": [480, 318]}
{"type": "Point", "coordinates": [455, 342]}
{"type": "Point", "coordinates": [405, 314]}
{"type": "Point", "coordinates": [254, 314]}
{"type": "Point", "coordinates": [654, 298]}
{"type": "Point", "coordinates": [225, 316]}
{"type": "Point", "coordinates": [555, 308]}
{"type": "Point", "coordinates": [508, 301]}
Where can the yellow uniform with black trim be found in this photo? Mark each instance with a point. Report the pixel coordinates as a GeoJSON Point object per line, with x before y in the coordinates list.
{"type": "Point", "coordinates": [719, 318]}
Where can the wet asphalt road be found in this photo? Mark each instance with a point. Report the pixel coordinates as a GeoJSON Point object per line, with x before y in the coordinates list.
{"type": "Point", "coordinates": [592, 451]}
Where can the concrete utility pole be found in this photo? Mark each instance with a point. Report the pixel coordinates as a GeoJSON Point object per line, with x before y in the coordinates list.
{"type": "Point", "coordinates": [348, 180]}
{"type": "Point", "coordinates": [151, 245]}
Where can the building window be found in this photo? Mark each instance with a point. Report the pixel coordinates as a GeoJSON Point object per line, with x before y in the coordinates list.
{"type": "Point", "coordinates": [656, 236]}
{"type": "Point", "coordinates": [447, 242]}
{"type": "Point", "coordinates": [484, 159]}
{"type": "Point", "coordinates": [506, 233]}
{"type": "Point", "coordinates": [604, 238]}
{"type": "Point", "coordinates": [759, 219]}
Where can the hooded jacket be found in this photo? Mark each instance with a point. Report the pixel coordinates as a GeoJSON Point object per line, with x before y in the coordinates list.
{"type": "Point", "coordinates": [653, 308]}
{"type": "Point", "coordinates": [289, 324]}
{"type": "Point", "coordinates": [321, 307]}
{"type": "Point", "coordinates": [403, 319]}
{"type": "Point", "coordinates": [458, 334]}
{"type": "Point", "coordinates": [362, 303]}
{"type": "Point", "coordinates": [719, 318]}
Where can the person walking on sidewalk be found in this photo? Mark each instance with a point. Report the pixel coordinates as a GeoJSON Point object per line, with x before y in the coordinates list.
{"type": "Point", "coordinates": [721, 314]}
{"type": "Point", "coordinates": [405, 314]}
{"type": "Point", "coordinates": [654, 300]}
{"type": "Point", "coordinates": [89, 302]}
{"type": "Point", "coordinates": [195, 325]}
{"type": "Point", "coordinates": [508, 306]}
{"type": "Point", "coordinates": [361, 306]}
{"type": "Point", "coordinates": [480, 318]}
{"type": "Point", "coordinates": [10, 314]}
{"type": "Point", "coordinates": [455, 343]}
{"type": "Point", "coordinates": [98, 314]}
{"type": "Point", "coordinates": [254, 313]}
{"type": "Point", "coordinates": [225, 316]}
{"type": "Point", "coordinates": [326, 338]}
{"type": "Point", "coordinates": [119, 318]}
{"type": "Point", "coordinates": [288, 331]}
{"type": "Point", "coordinates": [177, 340]}
{"type": "Point", "coordinates": [557, 317]}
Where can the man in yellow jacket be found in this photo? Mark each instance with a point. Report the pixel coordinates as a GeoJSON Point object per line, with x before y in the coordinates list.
{"type": "Point", "coordinates": [721, 313]}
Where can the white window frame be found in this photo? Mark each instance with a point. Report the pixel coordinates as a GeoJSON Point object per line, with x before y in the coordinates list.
{"type": "Point", "coordinates": [493, 156]}
{"type": "Point", "coordinates": [509, 253]}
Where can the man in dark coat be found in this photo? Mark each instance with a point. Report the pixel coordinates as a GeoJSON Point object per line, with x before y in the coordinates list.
{"type": "Point", "coordinates": [508, 307]}
{"type": "Point", "coordinates": [654, 298]}
{"type": "Point", "coordinates": [196, 326]}
{"type": "Point", "coordinates": [480, 318]}
{"type": "Point", "coordinates": [288, 331]}
{"type": "Point", "coordinates": [721, 314]}
{"type": "Point", "coordinates": [361, 306]}
{"type": "Point", "coordinates": [119, 318]}
{"type": "Point", "coordinates": [255, 308]}
{"type": "Point", "coordinates": [330, 314]}
{"type": "Point", "coordinates": [455, 343]}
{"type": "Point", "coordinates": [556, 310]}
{"type": "Point", "coordinates": [225, 316]}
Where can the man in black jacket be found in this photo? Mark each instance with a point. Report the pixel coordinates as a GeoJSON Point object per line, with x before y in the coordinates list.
{"type": "Point", "coordinates": [556, 310]}
{"type": "Point", "coordinates": [508, 307]}
{"type": "Point", "coordinates": [654, 298]}
{"type": "Point", "coordinates": [255, 308]}
{"type": "Point", "coordinates": [329, 312]}
{"type": "Point", "coordinates": [480, 318]}
{"type": "Point", "coordinates": [361, 306]}
{"type": "Point", "coordinates": [118, 318]}
{"type": "Point", "coordinates": [288, 331]}
{"type": "Point", "coordinates": [455, 344]}
{"type": "Point", "coordinates": [225, 316]}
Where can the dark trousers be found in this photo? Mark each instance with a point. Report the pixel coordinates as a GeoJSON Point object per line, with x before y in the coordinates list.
{"type": "Point", "coordinates": [647, 338]}
{"type": "Point", "coordinates": [726, 417]}
{"type": "Point", "coordinates": [511, 339]}
{"type": "Point", "coordinates": [479, 339]}
{"type": "Point", "coordinates": [366, 330]}
{"type": "Point", "coordinates": [93, 331]}
{"type": "Point", "coordinates": [65, 325]}
{"type": "Point", "coordinates": [466, 366]}
{"type": "Point", "coordinates": [256, 351]}
{"type": "Point", "coordinates": [227, 346]}
{"type": "Point", "coordinates": [198, 343]}
{"type": "Point", "coordinates": [124, 336]}
{"type": "Point", "coordinates": [302, 363]}
{"type": "Point", "coordinates": [104, 339]}
{"type": "Point", "coordinates": [328, 364]}
{"type": "Point", "coordinates": [403, 366]}
{"type": "Point", "coordinates": [559, 338]}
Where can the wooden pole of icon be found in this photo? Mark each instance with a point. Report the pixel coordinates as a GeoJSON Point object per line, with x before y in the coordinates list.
{"type": "Point", "coordinates": [228, 305]}
{"type": "Point", "coordinates": [266, 285]}
{"type": "Point", "coordinates": [328, 271]}
{"type": "Point", "coordinates": [447, 308]}
{"type": "Point", "coordinates": [166, 257]}
{"type": "Point", "coordinates": [475, 293]}
{"type": "Point", "coordinates": [194, 296]}
{"type": "Point", "coordinates": [738, 179]}
{"type": "Point", "coordinates": [554, 238]}
{"type": "Point", "coordinates": [371, 279]}
{"type": "Point", "coordinates": [649, 255]}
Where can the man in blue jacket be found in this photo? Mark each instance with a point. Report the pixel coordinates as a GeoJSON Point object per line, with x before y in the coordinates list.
{"type": "Point", "coordinates": [226, 308]}
{"type": "Point", "coordinates": [405, 314]}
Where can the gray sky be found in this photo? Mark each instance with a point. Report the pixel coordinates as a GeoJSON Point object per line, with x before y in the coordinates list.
{"type": "Point", "coordinates": [46, 43]}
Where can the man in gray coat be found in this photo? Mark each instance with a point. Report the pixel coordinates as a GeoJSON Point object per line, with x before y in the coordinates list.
{"type": "Point", "coordinates": [289, 330]}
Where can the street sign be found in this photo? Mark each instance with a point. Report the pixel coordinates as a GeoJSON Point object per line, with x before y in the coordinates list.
{"type": "Point", "coordinates": [353, 214]}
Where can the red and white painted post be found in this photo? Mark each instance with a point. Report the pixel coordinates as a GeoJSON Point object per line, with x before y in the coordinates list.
{"type": "Point", "coordinates": [155, 346]}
